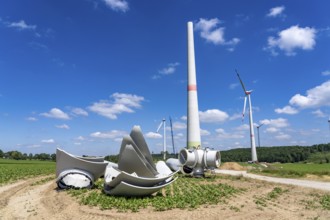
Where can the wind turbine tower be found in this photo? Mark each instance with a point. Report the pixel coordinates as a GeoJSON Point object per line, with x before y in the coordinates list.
{"type": "Point", "coordinates": [258, 126]}
{"type": "Point", "coordinates": [172, 135]}
{"type": "Point", "coordinates": [194, 159]}
{"type": "Point", "coordinates": [193, 127]}
{"type": "Point", "coordinates": [164, 143]}
{"type": "Point", "coordinates": [252, 139]}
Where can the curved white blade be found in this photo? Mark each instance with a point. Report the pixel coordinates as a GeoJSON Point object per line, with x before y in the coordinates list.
{"type": "Point", "coordinates": [244, 108]}
{"type": "Point", "coordinates": [160, 125]}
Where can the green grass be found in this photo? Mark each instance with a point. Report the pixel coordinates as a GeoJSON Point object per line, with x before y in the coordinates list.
{"type": "Point", "coordinates": [316, 201]}
{"type": "Point", "coordinates": [13, 170]}
{"type": "Point", "coordinates": [185, 193]}
{"type": "Point", "coordinates": [273, 195]}
{"type": "Point", "coordinates": [294, 170]}
{"type": "Point", "coordinates": [325, 202]}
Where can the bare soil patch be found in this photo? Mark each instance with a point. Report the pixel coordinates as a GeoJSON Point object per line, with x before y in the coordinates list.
{"type": "Point", "coordinates": [232, 166]}
{"type": "Point", "coordinates": [43, 201]}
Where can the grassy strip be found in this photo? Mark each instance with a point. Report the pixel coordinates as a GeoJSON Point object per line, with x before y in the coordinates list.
{"type": "Point", "coordinates": [294, 170]}
{"type": "Point", "coordinates": [274, 194]}
{"type": "Point", "coordinates": [44, 180]}
{"type": "Point", "coordinates": [325, 202]}
{"type": "Point", "coordinates": [185, 193]}
{"type": "Point", "coordinates": [13, 170]}
{"type": "Point", "coordinates": [316, 201]}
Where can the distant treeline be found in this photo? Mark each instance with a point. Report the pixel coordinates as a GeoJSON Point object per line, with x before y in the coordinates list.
{"type": "Point", "coordinates": [319, 153]}
{"type": "Point", "coordinates": [16, 155]}
{"type": "Point", "coordinates": [284, 154]}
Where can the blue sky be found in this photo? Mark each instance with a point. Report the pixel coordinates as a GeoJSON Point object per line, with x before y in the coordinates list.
{"type": "Point", "coordinates": [79, 74]}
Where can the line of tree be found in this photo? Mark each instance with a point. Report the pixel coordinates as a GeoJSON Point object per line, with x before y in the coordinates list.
{"type": "Point", "coordinates": [284, 154]}
{"type": "Point", "coordinates": [16, 155]}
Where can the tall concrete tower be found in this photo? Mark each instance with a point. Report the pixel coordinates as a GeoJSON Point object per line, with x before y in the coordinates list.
{"type": "Point", "coordinates": [195, 160]}
{"type": "Point", "coordinates": [193, 128]}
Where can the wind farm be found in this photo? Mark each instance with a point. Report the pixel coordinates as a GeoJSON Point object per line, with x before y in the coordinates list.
{"type": "Point", "coordinates": [116, 109]}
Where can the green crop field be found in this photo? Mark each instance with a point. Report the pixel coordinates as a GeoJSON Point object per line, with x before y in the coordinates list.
{"type": "Point", "coordinates": [294, 170]}
{"type": "Point", "coordinates": [13, 170]}
{"type": "Point", "coordinates": [184, 193]}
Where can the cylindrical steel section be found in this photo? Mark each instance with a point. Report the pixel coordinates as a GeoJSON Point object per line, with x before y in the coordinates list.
{"type": "Point", "coordinates": [212, 158]}
{"type": "Point", "coordinates": [188, 158]}
{"type": "Point", "coordinates": [173, 164]}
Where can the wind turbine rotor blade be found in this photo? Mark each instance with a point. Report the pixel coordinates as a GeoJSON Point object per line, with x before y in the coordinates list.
{"type": "Point", "coordinates": [160, 125]}
{"type": "Point", "coordinates": [244, 108]}
{"type": "Point", "coordinates": [241, 81]}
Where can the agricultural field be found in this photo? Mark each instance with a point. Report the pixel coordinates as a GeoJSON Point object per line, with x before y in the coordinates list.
{"type": "Point", "coordinates": [294, 170]}
{"type": "Point", "coordinates": [185, 193]}
{"type": "Point", "coordinates": [216, 196]}
{"type": "Point", "coordinates": [14, 170]}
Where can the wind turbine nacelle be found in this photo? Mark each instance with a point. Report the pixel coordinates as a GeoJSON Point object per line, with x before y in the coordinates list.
{"type": "Point", "coordinates": [196, 161]}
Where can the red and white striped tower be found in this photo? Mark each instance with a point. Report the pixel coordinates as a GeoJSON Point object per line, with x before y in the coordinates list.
{"type": "Point", "coordinates": [193, 127]}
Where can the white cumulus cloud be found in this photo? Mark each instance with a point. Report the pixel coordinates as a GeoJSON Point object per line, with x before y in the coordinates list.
{"type": "Point", "coordinates": [21, 25]}
{"type": "Point", "coordinates": [153, 135]}
{"type": "Point", "coordinates": [80, 138]}
{"type": "Point", "coordinates": [31, 119]}
{"type": "Point", "coordinates": [213, 116]}
{"type": "Point", "coordinates": [235, 116]}
{"type": "Point", "coordinates": [276, 11]}
{"type": "Point", "coordinates": [56, 113]}
{"type": "Point", "coordinates": [282, 136]}
{"type": "Point", "coordinates": [272, 130]}
{"type": "Point", "coordinates": [170, 69]}
{"type": "Point", "coordinates": [291, 39]}
{"type": "Point", "coordinates": [244, 127]}
{"type": "Point", "coordinates": [204, 132]}
{"type": "Point", "coordinates": [179, 125]}
{"type": "Point", "coordinates": [277, 123]}
{"type": "Point", "coordinates": [326, 73]}
{"type": "Point", "coordinates": [314, 98]}
{"type": "Point", "coordinates": [121, 103]}
{"type": "Point", "coordinates": [184, 118]}
{"type": "Point", "coordinates": [79, 112]}
{"type": "Point", "coordinates": [318, 113]}
{"type": "Point", "coordinates": [117, 5]}
{"type": "Point", "coordinates": [221, 133]}
{"type": "Point", "coordinates": [109, 134]}
{"type": "Point", "coordinates": [286, 110]}
{"type": "Point", "coordinates": [63, 126]}
{"type": "Point", "coordinates": [210, 31]}
{"type": "Point", "coordinates": [48, 141]}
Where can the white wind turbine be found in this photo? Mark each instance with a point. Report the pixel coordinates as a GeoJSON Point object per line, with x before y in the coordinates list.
{"type": "Point", "coordinates": [164, 127]}
{"type": "Point", "coordinates": [253, 142]}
